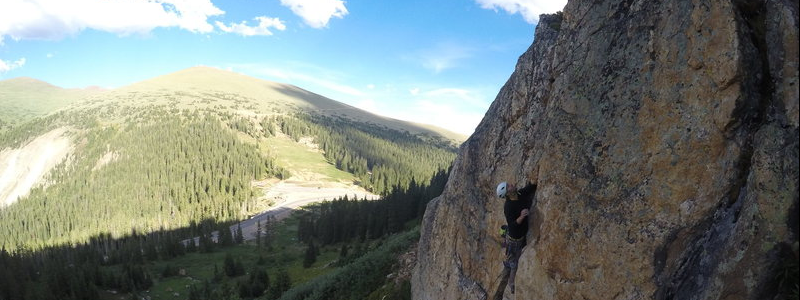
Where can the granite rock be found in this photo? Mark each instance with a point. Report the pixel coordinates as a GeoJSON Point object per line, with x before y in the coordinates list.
{"type": "Point", "coordinates": [663, 137]}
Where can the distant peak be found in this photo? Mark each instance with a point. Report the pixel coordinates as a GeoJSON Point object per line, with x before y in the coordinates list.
{"type": "Point", "coordinates": [27, 81]}
{"type": "Point", "coordinates": [95, 88]}
{"type": "Point", "coordinates": [205, 69]}
{"type": "Point", "coordinates": [202, 67]}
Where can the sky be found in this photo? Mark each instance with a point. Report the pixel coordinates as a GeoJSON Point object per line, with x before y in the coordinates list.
{"type": "Point", "coordinates": [438, 62]}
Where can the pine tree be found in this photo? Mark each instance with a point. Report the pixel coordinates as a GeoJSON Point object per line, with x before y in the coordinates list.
{"type": "Point", "coordinates": [194, 293]}
{"type": "Point", "coordinates": [257, 282]}
{"type": "Point", "coordinates": [268, 232]}
{"type": "Point", "coordinates": [169, 271]}
{"type": "Point", "coordinates": [310, 256]}
{"type": "Point", "coordinates": [225, 237]}
{"type": "Point", "coordinates": [258, 233]}
{"type": "Point", "coordinates": [281, 284]}
{"type": "Point", "coordinates": [191, 246]}
{"type": "Point", "coordinates": [229, 265]}
{"type": "Point", "coordinates": [238, 267]}
{"type": "Point", "coordinates": [217, 275]}
{"type": "Point", "coordinates": [343, 252]}
{"type": "Point", "coordinates": [283, 281]}
{"type": "Point", "coordinates": [263, 278]}
{"type": "Point", "coordinates": [239, 234]}
{"type": "Point", "coordinates": [206, 246]}
{"type": "Point", "coordinates": [150, 251]}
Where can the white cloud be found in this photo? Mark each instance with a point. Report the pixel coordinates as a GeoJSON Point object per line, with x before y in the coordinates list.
{"type": "Point", "coordinates": [50, 55]}
{"type": "Point", "coordinates": [444, 56]}
{"type": "Point", "coordinates": [264, 24]}
{"type": "Point", "coordinates": [10, 65]}
{"type": "Point", "coordinates": [316, 13]}
{"type": "Point", "coordinates": [55, 19]}
{"type": "Point", "coordinates": [529, 9]}
{"type": "Point", "coordinates": [414, 91]}
{"type": "Point", "coordinates": [371, 86]}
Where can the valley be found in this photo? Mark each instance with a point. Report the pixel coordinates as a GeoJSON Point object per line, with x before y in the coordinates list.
{"type": "Point", "coordinates": [276, 150]}
{"type": "Point", "coordinates": [195, 169]}
{"type": "Point", "coordinates": [225, 131]}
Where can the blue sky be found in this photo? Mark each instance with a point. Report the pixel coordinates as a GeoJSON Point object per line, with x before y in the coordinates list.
{"type": "Point", "coordinates": [436, 62]}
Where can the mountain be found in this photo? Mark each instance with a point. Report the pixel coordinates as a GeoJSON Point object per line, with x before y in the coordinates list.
{"type": "Point", "coordinates": [145, 190]}
{"type": "Point", "coordinates": [212, 88]}
{"type": "Point", "coordinates": [663, 138]}
{"type": "Point", "coordinates": [25, 98]}
{"type": "Point", "coordinates": [195, 145]}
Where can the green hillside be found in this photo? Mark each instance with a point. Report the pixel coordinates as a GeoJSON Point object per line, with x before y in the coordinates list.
{"type": "Point", "coordinates": [204, 171]}
{"type": "Point", "coordinates": [191, 153]}
{"type": "Point", "coordinates": [187, 147]}
{"type": "Point", "coordinates": [187, 154]}
{"type": "Point", "coordinates": [206, 88]}
{"type": "Point", "coordinates": [23, 99]}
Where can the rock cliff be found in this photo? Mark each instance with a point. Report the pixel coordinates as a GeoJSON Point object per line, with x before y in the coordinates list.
{"type": "Point", "coordinates": [663, 136]}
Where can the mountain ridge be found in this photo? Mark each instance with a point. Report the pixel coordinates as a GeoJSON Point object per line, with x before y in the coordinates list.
{"type": "Point", "coordinates": [189, 146]}
{"type": "Point", "coordinates": [25, 98]}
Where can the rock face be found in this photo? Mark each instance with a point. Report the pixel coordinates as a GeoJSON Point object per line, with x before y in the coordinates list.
{"type": "Point", "coordinates": [663, 136]}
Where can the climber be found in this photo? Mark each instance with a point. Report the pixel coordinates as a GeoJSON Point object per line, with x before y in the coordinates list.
{"type": "Point", "coordinates": [516, 209]}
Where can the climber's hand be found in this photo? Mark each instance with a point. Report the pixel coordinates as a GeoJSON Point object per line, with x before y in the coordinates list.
{"type": "Point", "coordinates": [524, 213]}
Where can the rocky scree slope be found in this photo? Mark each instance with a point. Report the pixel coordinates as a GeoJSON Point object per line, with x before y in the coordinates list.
{"type": "Point", "coordinates": [663, 136]}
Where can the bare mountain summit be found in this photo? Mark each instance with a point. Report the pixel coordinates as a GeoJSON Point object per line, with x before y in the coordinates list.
{"type": "Point", "coordinates": [193, 88]}
{"type": "Point", "coordinates": [221, 90]}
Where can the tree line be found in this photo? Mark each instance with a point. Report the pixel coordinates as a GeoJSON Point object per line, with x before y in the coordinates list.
{"type": "Point", "coordinates": [104, 262]}
{"type": "Point", "coordinates": [344, 219]}
{"type": "Point", "coordinates": [360, 278]}
{"type": "Point", "coordinates": [161, 173]}
{"type": "Point", "coordinates": [108, 262]}
{"type": "Point", "coordinates": [163, 168]}
{"type": "Point", "coordinates": [113, 202]}
{"type": "Point", "coordinates": [381, 158]}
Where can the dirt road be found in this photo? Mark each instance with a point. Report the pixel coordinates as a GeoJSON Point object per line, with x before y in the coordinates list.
{"type": "Point", "coordinates": [290, 195]}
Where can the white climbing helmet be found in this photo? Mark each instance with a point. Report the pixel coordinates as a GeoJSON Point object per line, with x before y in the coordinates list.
{"type": "Point", "coordinates": [502, 188]}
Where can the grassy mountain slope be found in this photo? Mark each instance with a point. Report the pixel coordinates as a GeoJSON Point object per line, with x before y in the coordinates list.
{"type": "Point", "coordinates": [23, 99]}
{"type": "Point", "coordinates": [188, 146]}
{"type": "Point", "coordinates": [123, 178]}
{"type": "Point", "coordinates": [209, 88]}
{"type": "Point", "coordinates": [193, 152]}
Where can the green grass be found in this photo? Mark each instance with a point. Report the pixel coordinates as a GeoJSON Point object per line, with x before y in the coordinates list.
{"type": "Point", "coordinates": [23, 99]}
{"type": "Point", "coordinates": [298, 158]}
{"type": "Point", "coordinates": [286, 252]}
{"type": "Point", "coordinates": [364, 276]}
{"type": "Point", "coordinates": [196, 88]}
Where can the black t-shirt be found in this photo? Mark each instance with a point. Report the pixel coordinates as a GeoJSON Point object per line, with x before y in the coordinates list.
{"type": "Point", "coordinates": [512, 209]}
